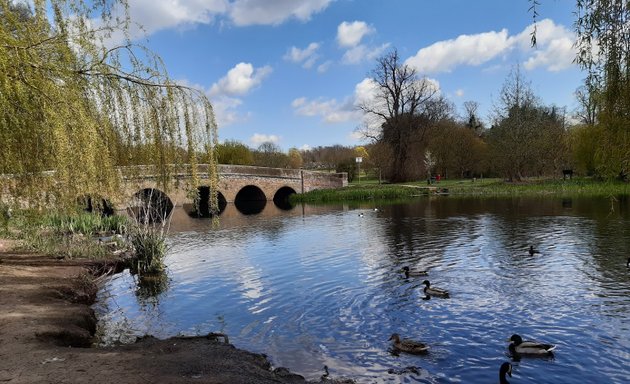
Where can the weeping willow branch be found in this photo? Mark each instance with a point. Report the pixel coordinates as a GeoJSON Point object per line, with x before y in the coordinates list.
{"type": "Point", "coordinates": [73, 101]}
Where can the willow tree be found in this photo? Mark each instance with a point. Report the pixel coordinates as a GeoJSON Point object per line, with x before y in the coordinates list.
{"type": "Point", "coordinates": [603, 42]}
{"type": "Point", "coordinates": [78, 98]}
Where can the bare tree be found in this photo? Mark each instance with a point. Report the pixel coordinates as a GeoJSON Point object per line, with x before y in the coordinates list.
{"type": "Point", "coordinates": [588, 108]}
{"type": "Point", "coordinates": [471, 118]}
{"type": "Point", "coordinates": [400, 109]}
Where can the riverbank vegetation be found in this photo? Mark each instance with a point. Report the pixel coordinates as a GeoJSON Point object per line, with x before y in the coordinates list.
{"type": "Point", "coordinates": [371, 190]}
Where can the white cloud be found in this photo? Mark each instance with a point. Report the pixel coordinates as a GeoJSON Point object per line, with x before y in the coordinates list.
{"type": "Point", "coordinates": [305, 147]}
{"type": "Point", "coordinates": [324, 66]}
{"type": "Point", "coordinates": [155, 16]}
{"type": "Point", "coordinates": [226, 110]}
{"type": "Point", "coordinates": [443, 56]}
{"type": "Point", "coordinates": [150, 16]}
{"type": "Point", "coordinates": [240, 80]}
{"type": "Point", "coordinates": [259, 138]}
{"type": "Point", "coordinates": [459, 92]}
{"type": "Point", "coordinates": [554, 49]}
{"type": "Point", "coordinates": [360, 53]}
{"type": "Point", "coordinates": [307, 56]}
{"type": "Point", "coordinates": [274, 12]}
{"type": "Point", "coordinates": [351, 34]}
{"type": "Point", "coordinates": [365, 91]}
{"type": "Point", "coordinates": [331, 111]}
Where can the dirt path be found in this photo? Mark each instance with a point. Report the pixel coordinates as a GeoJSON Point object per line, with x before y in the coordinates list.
{"type": "Point", "coordinates": [46, 327]}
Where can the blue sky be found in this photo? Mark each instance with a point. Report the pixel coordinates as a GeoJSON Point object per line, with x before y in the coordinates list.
{"type": "Point", "coordinates": [291, 71]}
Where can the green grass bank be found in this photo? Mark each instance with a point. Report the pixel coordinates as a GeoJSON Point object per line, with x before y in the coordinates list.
{"type": "Point", "coordinates": [371, 189]}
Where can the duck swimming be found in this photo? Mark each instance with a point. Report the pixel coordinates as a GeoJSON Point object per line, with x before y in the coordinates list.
{"type": "Point", "coordinates": [628, 263]}
{"type": "Point", "coordinates": [325, 378]}
{"type": "Point", "coordinates": [434, 291]}
{"type": "Point", "coordinates": [409, 273]}
{"type": "Point", "coordinates": [532, 251]}
{"type": "Point", "coordinates": [506, 368]}
{"type": "Point", "coordinates": [408, 345]}
{"type": "Point", "coordinates": [529, 348]}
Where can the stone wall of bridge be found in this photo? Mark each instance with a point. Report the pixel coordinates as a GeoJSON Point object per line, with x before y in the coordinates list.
{"type": "Point", "coordinates": [232, 180]}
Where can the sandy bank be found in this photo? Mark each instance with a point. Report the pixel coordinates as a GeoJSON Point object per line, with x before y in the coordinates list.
{"type": "Point", "coordinates": [47, 326]}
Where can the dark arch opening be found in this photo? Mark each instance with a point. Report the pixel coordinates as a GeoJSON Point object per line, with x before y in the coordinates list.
{"type": "Point", "coordinates": [281, 198]}
{"type": "Point", "coordinates": [250, 200]}
{"type": "Point", "coordinates": [96, 204]}
{"type": "Point", "coordinates": [203, 210]}
{"type": "Point", "coordinates": [151, 206]}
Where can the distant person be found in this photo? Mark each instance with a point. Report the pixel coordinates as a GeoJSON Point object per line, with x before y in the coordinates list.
{"type": "Point", "coordinates": [438, 177]}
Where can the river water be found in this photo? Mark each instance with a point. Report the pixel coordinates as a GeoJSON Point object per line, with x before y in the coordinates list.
{"type": "Point", "coordinates": [315, 286]}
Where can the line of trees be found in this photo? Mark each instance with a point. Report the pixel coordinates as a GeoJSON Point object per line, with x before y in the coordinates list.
{"type": "Point", "coordinates": [414, 132]}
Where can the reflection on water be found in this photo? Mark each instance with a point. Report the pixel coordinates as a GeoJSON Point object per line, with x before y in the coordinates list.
{"type": "Point", "coordinates": [317, 286]}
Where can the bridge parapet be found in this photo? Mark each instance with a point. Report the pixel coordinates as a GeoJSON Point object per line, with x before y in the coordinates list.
{"type": "Point", "coordinates": [261, 183]}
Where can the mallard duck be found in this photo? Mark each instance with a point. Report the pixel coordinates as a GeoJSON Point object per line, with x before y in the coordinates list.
{"type": "Point", "coordinates": [506, 368]}
{"type": "Point", "coordinates": [409, 273]}
{"type": "Point", "coordinates": [408, 345]}
{"type": "Point", "coordinates": [532, 251]}
{"type": "Point", "coordinates": [529, 348]}
{"type": "Point", "coordinates": [434, 291]}
{"type": "Point", "coordinates": [325, 378]}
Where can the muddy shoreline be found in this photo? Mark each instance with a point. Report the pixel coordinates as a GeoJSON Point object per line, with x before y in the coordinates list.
{"type": "Point", "coordinates": [47, 327]}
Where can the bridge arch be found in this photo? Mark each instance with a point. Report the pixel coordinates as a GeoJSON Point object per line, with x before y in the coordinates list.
{"type": "Point", "coordinates": [204, 203]}
{"type": "Point", "coordinates": [150, 205]}
{"type": "Point", "coordinates": [281, 197]}
{"type": "Point", "coordinates": [250, 200]}
{"type": "Point", "coordinates": [95, 204]}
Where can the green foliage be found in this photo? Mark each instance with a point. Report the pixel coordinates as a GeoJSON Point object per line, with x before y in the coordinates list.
{"type": "Point", "coordinates": [528, 138]}
{"type": "Point", "coordinates": [64, 235]}
{"type": "Point", "coordinates": [87, 223]}
{"type": "Point", "coordinates": [269, 154]}
{"type": "Point", "coordinates": [585, 140]}
{"type": "Point", "coordinates": [349, 167]}
{"type": "Point", "coordinates": [77, 100]}
{"type": "Point", "coordinates": [295, 159]}
{"type": "Point", "coordinates": [234, 152]}
{"type": "Point", "coordinates": [603, 37]}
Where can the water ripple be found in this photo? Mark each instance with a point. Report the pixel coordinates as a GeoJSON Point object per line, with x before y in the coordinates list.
{"type": "Point", "coordinates": [326, 289]}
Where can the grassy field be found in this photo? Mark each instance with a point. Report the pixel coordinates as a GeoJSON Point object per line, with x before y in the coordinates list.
{"type": "Point", "coordinates": [371, 189]}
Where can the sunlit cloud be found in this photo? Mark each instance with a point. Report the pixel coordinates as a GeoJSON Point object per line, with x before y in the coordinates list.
{"type": "Point", "coordinates": [351, 34]}
{"type": "Point", "coordinates": [274, 12]}
{"type": "Point", "coordinates": [259, 138]}
{"type": "Point", "coordinates": [240, 80]}
{"type": "Point", "coordinates": [554, 50]}
{"type": "Point", "coordinates": [361, 53]}
{"type": "Point", "coordinates": [307, 56]}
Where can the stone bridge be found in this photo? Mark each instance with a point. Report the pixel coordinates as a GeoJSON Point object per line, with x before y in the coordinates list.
{"type": "Point", "coordinates": [248, 188]}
